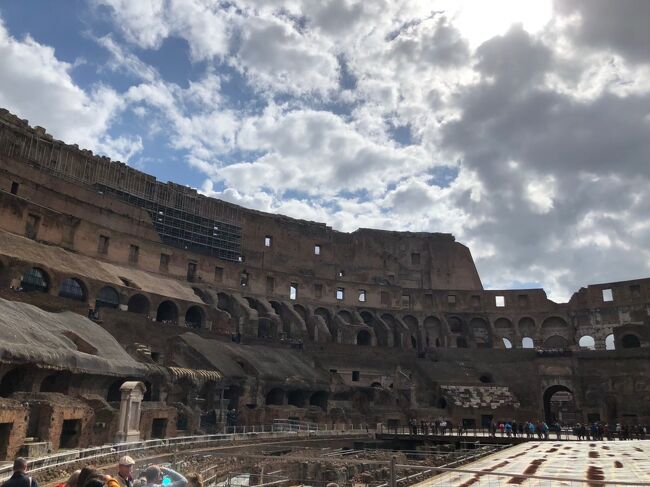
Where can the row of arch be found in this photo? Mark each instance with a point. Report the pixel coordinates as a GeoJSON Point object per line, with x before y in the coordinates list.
{"type": "Point", "coordinates": [586, 342]}
{"type": "Point", "coordinates": [37, 280]}
{"type": "Point", "coordinates": [298, 398]}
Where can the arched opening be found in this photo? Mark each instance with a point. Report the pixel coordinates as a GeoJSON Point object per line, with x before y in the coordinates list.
{"type": "Point", "coordinates": [224, 302]}
{"type": "Point", "coordinates": [107, 297]}
{"type": "Point", "coordinates": [555, 342]}
{"type": "Point", "coordinates": [461, 342]}
{"type": "Point", "coordinates": [610, 343]}
{"type": "Point", "coordinates": [503, 324]}
{"type": "Point", "coordinates": [114, 394]}
{"type": "Point", "coordinates": [554, 322]}
{"type": "Point", "coordinates": [364, 338]}
{"type": "Point", "coordinates": [630, 341]}
{"type": "Point", "coordinates": [14, 381]}
{"type": "Point", "coordinates": [325, 314]}
{"type": "Point", "coordinates": [506, 343]}
{"type": "Point", "coordinates": [58, 382]}
{"type": "Point", "coordinates": [346, 316]}
{"type": "Point", "coordinates": [35, 280]}
{"type": "Point", "coordinates": [392, 324]}
{"type": "Point", "coordinates": [486, 378]}
{"type": "Point", "coordinates": [72, 289]}
{"type": "Point", "coordinates": [297, 398]}
{"type": "Point", "coordinates": [301, 311]}
{"type": "Point", "coordinates": [203, 296]}
{"type": "Point", "coordinates": [527, 342]}
{"type": "Point", "coordinates": [167, 313]}
{"type": "Point", "coordinates": [138, 303]}
{"type": "Point", "coordinates": [527, 327]}
{"type": "Point", "coordinates": [433, 329]}
{"type": "Point", "coordinates": [414, 342]}
{"type": "Point", "coordinates": [367, 318]}
{"type": "Point", "coordinates": [559, 405]}
{"type": "Point", "coordinates": [455, 325]}
{"type": "Point", "coordinates": [480, 332]}
{"type": "Point", "coordinates": [587, 342]}
{"type": "Point", "coordinates": [194, 317]}
{"type": "Point", "coordinates": [319, 399]}
{"type": "Point", "coordinates": [275, 397]}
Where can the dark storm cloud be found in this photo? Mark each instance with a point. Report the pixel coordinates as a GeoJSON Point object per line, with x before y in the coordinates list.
{"type": "Point", "coordinates": [591, 156]}
{"type": "Point", "coordinates": [621, 25]}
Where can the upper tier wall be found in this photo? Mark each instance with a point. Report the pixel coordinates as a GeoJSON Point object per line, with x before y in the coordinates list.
{"type": "Point", "coordinates": [111, 197]}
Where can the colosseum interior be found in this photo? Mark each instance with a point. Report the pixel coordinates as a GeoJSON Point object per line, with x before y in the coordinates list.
{"type": "Point", "coordinates": [109, 276]}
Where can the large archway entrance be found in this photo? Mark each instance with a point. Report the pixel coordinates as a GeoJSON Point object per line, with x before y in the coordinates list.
{"type": "Point", "coordinates": [559, 405]}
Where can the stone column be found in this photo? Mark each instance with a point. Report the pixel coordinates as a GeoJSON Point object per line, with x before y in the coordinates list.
{"type": "Point", "coordinates": [129, 422]}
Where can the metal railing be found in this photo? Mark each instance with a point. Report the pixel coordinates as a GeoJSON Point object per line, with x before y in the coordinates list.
{"type": "Point", "coordinates": [241, 433]}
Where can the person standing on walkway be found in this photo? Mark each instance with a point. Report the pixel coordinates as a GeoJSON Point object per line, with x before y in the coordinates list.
{"type": "Point", "coordinates": [20, 477]}
{"type": "Point", "coordinates": [125, 471]}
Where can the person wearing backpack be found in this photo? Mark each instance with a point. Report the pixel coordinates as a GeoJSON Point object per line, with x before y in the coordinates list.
{"type": "Point", "coordinates": [20, 477]}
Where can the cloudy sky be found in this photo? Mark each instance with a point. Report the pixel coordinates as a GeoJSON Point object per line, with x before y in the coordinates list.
{"type": "Point", "coordinates": [520, 127]}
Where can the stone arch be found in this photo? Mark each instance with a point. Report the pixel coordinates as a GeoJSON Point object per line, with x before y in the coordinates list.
{"type": "Point", "coordinates": [503, 325]}
{"type": "Point", "coordinates": [455, 324]}
{"type": "Point", "coordinates": [224, 302]}
{"type": "Point", "coordinates": [107, 297]}
{"type": "Point", "coordinates": [630, 340]}
{"type": "Point", "coordinates": [203, 296]}
{"type": "Point", "coordinates": [302, 311]}
{"type": "Point", "coordinates": [167, 312]}
{"type": "Point", "coordinates": [527, 327]}
{"type": "Point", "coordinates": [35, 280]}
{"type": "Point", "coordinates": [275, 397]}
{"type": "Point", "coordinates": [555, 342]}
{"type": "Point", "coordinates": [194, 317]}
{"type": "Point", "coordinates": [389, 319]}
{"type": "Point", "coordinates": [506, 343]}
{"type": "Point", "coordinates": [57, 382]}
{"type": "Point", "coordinates": [297, 398]}
{"type": "Point", "coordinates": [587, 342]}
{"type": "Point", "coordinates": [73, 288]}
{"type": "Point", "coordinates": [610, 342]}
{"type": "Point", "coordinates": [319, 399]}
{"type": "Point", "coordinates": [555, 322]}
{"type": "Point", "coordinates": [380, 331]}
{"type": "Point", "coordinates": [432, 331]}
{"type": "Point", "coordinates": [346, 316]}
{"type": "Point", "coordinates": [15, 381]}
{"type": "Point", "coordinates": [413, 326]}
{"type": "Point", "coordinates": [527, 342]}
{"type": "Point", "coordinates": [364, 339]}
{"type": "Point", "coordinates": [138, 303]}
{"type": "Point", "coordinates": [549, 414]}
{"type": "Point", "coordinates": [480, 332]}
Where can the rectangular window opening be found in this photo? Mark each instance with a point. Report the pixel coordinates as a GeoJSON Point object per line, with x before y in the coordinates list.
{"type": "Point", "coordinates": [270, 284]}
{"type": "Point", "coordinates": [500, 301]}
{"type": "Point", "coordinates": [451, 299]}
{"type": "Point", "coordinates": [635, 291]}
{"type": "Point", "coordinates": [523, 300]}
{"type": "Point", "coordinates": [428, 300]}
{"type": "Point", "coordinates": [406, 300]}
{"type": "Point", "coordinates": [293, 291]}
{"type": "Point", "coordinates": [14, 187]}
{"type": "Point", "coordinates": [385, 298]}
{"type": "Point", "coordinates": [102, 245]}
{"type": "Point", "coordinates": [476, 301]}
{"type": "Point", "coordinates": [134, 254]}
{"type": "Point", "coordinates": [355, 376]}
{"type": "Point", "coordinates": [608, 295]}
{"type": "Point", "coordinates": [243, 279]}
{"type": "Point", "coordinates": [318, 290]}
{"type": "Point", "coordinates": [31, 226]}
{"type": "Point", "coordinates": [191, 271]}
{"type": "Point", "coordinates": [316, 249]}
{"type": "Point", "coordinates": [267, 241]}
{"type": "Point", "coordinates": [164, 262]}
{"type": "Point", "coordinates": [218, 274]}
{"type": "Point", "coordinates": [415, 259]}
{"type": "Point", "coordinates": [340, 293]}
{"type": "Point", "coordinates": [362, 295]}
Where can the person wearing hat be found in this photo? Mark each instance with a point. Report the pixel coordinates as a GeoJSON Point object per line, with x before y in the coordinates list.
{"type": "Point", "coordinates": [125, 471]}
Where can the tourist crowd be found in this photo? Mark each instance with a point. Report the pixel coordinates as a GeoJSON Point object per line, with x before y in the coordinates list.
{"type": "Point", "coordinates": [533, 430]}
{"type": "Point", "coordinates": [152, 476]}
